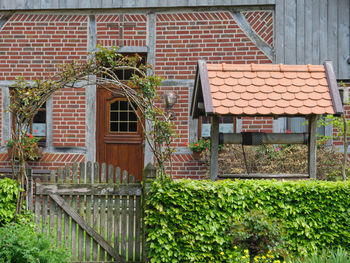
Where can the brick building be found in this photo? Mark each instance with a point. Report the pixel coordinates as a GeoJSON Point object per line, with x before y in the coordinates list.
{"type": "Point", "coordinates": [36, 36]}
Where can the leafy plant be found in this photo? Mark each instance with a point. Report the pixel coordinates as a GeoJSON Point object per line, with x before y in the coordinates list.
{"type": "Point", "coordinates": [21, 243]}
{"type": "Point", "coordinates": [8, 198]}
{"type": "Point", "coordinates": [256, 232]}
{"type": "Point", "coordinates": [29, 145]}
{"type": "Point", "coordinates": [201, 145]}
{"type": "Point", "coordinates": [188, 220]}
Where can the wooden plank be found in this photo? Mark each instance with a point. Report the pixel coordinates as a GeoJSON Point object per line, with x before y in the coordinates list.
{"type": "Point", "coordinates": [332, 33]}
{"type": "Point", "coordinates": [315, 32]}
{"type": "Point", "coordinates": [52, 205]}
{"type": "Point", "coordinates": [138, 229]}
{"type": "Point", "coordinates": [95, 220]}
{"type": "Point", "coordinates": [214, 147]}
{"type": "Point", "coordinates": [45, 207]}
{"type": "Point", "coordinates": [74, 224]}
{"type": "Point", "coordinates": [66, 180]}
{"type": "Point", "coordinates": [59, 211]}
{"type": "Point", "coordinates": [290, 32]}
{"type": "Point", "coordinates": [131, 223]}
{"type": "Point", "coordinates": [88, 189]}
{"type": "Point", "coordinates": [124, 217]}
{"type": "Point", "coordinates": [117, 212]}
{"type": "Point", "coordinates": [88, 180]}
{"type": "Point", "coordinates": [81, 211]}
{"type": "Point", "coordinates": [75, 216]}
{"type": "Point", "coordinates": [300, 33]}
{"type": "Point", "coordinates": [109, 179]}
{"type": "Point", "coordinates": [103, 216]}
{"type": "Point", "coordinates": [308, 32]}
{"type": "Point", "coordinates": [260, 175]}
{"type": "Point", "coordinates": [323, 30]}
{"type": "Point", "coordinates": [37, 207]}
{"type": "Point", "coordinates": [312, 146]}
{"type": "Point", "coordinates": [279, 26]}
{"type": "Point", "coordinates": [343, 71]}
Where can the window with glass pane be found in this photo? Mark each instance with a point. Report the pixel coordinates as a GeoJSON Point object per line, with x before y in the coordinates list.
{"type": "Point", "coordinates": [122, 117]}
{"type": "Point", "coordinates": [227, 125]}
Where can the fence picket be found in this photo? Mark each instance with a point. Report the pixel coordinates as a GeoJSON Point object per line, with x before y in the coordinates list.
{"type": "Point", "coordinates": [52, 205]}
{"type": "Point", "coordinates": [44, 206]}
{"type": "Point", "coordinates": [59, 211]}
{"type": "Point", "coordinates": [115, 215]}
{"type": "Point", "coordinates": [124, 216]}
{"type": "Point", "coordinates": [66, 180]}
{"type": "Point", "coordinates": [117, 212]}
{"type": "Point", "coordinates": [80, 211]}
{"type": "Point", "coordinates": [96, 247]}
{"type": "Point", "coordinates": [109, 180]}
{"type": "Point", "coordinates": [103, 210]}
{"type": "Point", "coordinates": [131, 222]}
{"type": "Point", "coordinates": [74, 224]}
{"type": "Point", "coordinates": [88, 180]}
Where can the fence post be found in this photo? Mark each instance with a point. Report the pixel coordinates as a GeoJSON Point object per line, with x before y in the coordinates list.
{"type": "Point", "coordinates": [30, 189]}
{"type": "Point", "coordinates": [149, 175]}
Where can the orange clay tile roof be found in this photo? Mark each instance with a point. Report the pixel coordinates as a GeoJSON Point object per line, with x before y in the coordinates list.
{"type": "Point", "coordinates": [268, 89]}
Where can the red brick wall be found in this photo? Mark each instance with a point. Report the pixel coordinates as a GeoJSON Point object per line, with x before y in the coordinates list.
{"type": "Point", "coordinates": [257, 124]}
{"type": "Point", "coordinates": [33, 45]}
{"type": "Point", "coordinates": [262, 24]}
{"type": "Point", "coordinates": [117, 30]}
{"type": "Point", "coordinates": [183, 38]}
{"type": "Point", "coordinates": [338, 141]}
{"type": "Point", "coordinates": [69, 118]}
{"type": "Point", "coordinates": [50, 161]}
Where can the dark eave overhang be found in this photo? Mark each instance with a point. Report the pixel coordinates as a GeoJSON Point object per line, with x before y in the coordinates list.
{"type": "Point", "coordinates": [333, 88]}
{"type": "Point", "coordinates": [204, 80]}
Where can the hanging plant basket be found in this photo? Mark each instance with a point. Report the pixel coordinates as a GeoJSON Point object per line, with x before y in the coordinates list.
{"type": "Point", "coordinates": [196, 155]}
{"type": "Point", "coordinates": [39, 151]}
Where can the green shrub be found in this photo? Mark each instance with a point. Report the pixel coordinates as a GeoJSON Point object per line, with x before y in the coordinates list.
{"type": "Point", "coordinates": [21, 243]}
{"type": "Point", "coordinates": [187, 221]}
{"type": "Point", "coordinates": [256, 232]}
{"type": "Point", "coordinates": [8, 198]}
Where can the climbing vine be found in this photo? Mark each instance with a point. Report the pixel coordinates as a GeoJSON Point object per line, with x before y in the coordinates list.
{"type": "Point", "coordinates": [140, 91]}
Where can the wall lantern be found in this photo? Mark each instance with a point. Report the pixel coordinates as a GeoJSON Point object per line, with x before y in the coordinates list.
{"type": "Point", "coordinates": [170, 100]}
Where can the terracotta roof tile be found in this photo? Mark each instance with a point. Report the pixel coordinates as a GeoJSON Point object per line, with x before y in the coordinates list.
{"type": "Point", "coordinates": [285, 82]}
{"type": "Point", "coordinates": [304, 75]}
{"type": "Point", "coordinates": [269, 89]}
{"type": "Point", "coordinates": [244, 81]}
{"type": "Point", "coordinates": [275, 96]}
{"type": "Point", "coordinates": [298, 82]}
{"type": "Point", "coordinates": [225, 88]}
{"type": "Point", "coordinates": [311, 82]}
{"type": "Point", "coordinates": [258, 82]}
{"type": "Point", "coordinates": [271, 82]}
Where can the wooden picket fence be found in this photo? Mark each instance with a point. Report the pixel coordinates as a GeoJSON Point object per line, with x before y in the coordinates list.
{"type": "Point", "coordinates": [93, 210]}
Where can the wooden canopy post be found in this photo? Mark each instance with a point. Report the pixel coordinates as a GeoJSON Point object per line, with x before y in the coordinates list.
{"type": "Point", "coordinates": [214, 147]}
{"type": "Point", "coordinates": [312, 146]}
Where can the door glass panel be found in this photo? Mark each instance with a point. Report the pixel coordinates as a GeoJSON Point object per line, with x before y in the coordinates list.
{"type": "Point", "coordinates": [122, 117]}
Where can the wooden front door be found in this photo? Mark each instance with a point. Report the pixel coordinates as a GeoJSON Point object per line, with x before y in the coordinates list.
{"type": "Point", "coordinates": [119, 133]}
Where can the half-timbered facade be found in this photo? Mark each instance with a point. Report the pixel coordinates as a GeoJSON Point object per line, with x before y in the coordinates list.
{"type": "Point", "coordinates": [80, 124]}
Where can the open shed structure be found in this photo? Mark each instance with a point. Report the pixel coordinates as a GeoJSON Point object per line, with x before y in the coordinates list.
{"type": "Point", "coordinates": [265, 90]}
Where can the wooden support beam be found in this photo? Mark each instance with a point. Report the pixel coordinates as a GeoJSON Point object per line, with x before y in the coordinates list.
{"type": "Point", "coordinates": [214, 147]}
{"type": "Point", "coordinates": [312, 146]}
{"type": "Point", "coordinates": [88, 189]}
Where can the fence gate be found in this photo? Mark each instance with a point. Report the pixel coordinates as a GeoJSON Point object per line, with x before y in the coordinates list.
{"type": "Point", "coordinates": [94, 211]}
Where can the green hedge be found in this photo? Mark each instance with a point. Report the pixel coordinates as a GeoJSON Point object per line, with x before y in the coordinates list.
{"type": "Point", "coordinates": [8, 199]}
{"type": "Point", "coordinates": [187, 220]}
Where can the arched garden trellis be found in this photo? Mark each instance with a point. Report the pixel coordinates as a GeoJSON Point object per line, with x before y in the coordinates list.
{"type": "Point", "coordinates": [267, 91]}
